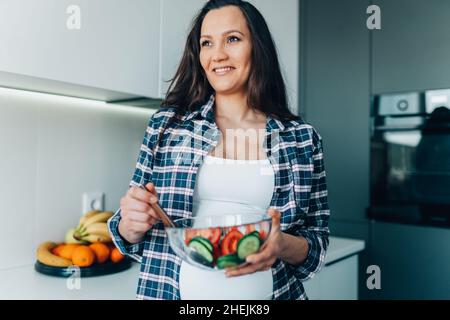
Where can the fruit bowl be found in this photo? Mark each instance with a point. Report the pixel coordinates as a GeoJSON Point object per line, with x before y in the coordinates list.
{"type": "Point", "coordinates": [66, 259]}
{"type": "Point", "coordinates": [219, 242]}
{"type": "Point", "coordinates": [106, 268]}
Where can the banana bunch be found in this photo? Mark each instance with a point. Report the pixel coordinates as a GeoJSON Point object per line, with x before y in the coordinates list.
{"type": "Point", "coordinates": [93, 227]}
{"type": "Point", "coordinates": [45, 256]}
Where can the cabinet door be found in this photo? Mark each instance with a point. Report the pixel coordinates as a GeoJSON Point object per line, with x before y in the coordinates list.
{"type": "Point", "coordinates": [312, 286]}
{"type": "Point", "coordinates": [115, 48]}
{"type": "Point", "coordinates": [336, 95]}
{"type": "Point", "coordinates": [419, 273]}
{"type": "Point", "coordinates": [339, 281]}
{"type": "Point", "coordinates": [177, 17]}
{"type": "Point", "coordinates": [410, 52]}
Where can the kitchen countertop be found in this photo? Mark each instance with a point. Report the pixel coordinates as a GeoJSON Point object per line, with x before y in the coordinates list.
{"type": "Point", "coordinates": [340, 248]}
{"type": "Point", "coordinates": [25, 283]}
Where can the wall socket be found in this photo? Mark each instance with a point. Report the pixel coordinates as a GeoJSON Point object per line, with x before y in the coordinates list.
{"type": "Point", "coordinates": [93, 201]}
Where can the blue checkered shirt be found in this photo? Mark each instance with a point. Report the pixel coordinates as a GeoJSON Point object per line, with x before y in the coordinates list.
{"type": "Point", "coordinates": [295, 151]}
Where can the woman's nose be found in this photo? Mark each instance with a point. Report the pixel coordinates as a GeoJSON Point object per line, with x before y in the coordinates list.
{"type": "Point", "coordinates": [219, 54]}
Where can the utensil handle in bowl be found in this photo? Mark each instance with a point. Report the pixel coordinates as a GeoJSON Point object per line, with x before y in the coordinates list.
{"type": "Point", "coordinates": [161, 213]}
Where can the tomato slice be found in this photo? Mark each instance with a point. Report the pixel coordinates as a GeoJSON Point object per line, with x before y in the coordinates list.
{"type": "Point", "coordinates": [249, 228]}
{"type": "Point", "coordinates": [230, 241]}
{"type": "Point", "coordinates": [262, 235]}
{"type": "Point", "coordinates": [215, 236]}
{"type": "Point", "coordinates": [234, 244]}
{"type": "Point", "coordinates": [212, 234]}
{"type": "Point", "coordinates": [188, 235]}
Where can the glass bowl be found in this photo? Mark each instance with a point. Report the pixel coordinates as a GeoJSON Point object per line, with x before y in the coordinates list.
{"type": "Point", "coordinates": [219, 242]}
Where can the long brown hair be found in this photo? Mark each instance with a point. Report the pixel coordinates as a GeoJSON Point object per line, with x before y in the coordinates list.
{"type": "Point", "coordinates": [190, 89]}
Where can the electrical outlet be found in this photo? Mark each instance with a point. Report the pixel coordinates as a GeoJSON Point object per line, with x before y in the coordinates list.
{"type": "Point", "coordinates": [93, 201]}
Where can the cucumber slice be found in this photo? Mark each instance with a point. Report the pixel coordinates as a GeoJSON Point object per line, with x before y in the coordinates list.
{"type": "Point", "coordinates": [255, 233]}
{"type": "Point", "coordinates": [200, 247]}
{"type": "Point", "coordinates": [205, 241]}
{"type": "Point", "coordinates": [228, 261]}
{"type": "Point", "coordinates": [248, 245]}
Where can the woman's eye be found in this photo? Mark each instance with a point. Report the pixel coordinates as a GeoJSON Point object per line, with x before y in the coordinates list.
{"type": "Point", "coordinates": [233, 39]}
{"type": "Point", "coordinates": [205, 43]}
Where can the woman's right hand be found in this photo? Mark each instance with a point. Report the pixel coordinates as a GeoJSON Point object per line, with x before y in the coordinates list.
{"type": "Point", "coordinates": [137, 215]}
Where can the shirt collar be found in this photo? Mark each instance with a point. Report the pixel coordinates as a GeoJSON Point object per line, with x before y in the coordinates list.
{"type": "Point", "coordinates": [207, 112]}
{"type": "Point", "coordinates": [273, 124]}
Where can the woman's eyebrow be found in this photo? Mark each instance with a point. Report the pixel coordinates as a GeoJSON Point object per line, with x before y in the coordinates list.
{"type": "Point", "coordinates": [223, 34]}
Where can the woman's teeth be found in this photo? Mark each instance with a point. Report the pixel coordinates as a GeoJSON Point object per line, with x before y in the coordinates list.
{"type": "Point", "coordinates": [223, 70]}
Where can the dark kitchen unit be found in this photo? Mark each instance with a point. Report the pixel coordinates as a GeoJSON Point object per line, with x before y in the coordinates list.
{"type": "Point", "coordinates": [410, 194]}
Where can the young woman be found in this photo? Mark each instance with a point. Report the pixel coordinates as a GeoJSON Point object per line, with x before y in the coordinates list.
{"type": "Point", "coordinates": [194, 162]}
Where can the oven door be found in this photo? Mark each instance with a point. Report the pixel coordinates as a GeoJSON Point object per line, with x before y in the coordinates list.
{"type": "Point", "coordinates": [410, 169]}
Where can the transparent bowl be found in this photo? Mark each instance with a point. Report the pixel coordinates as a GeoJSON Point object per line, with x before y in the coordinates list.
{"type": "Point", "coordinates": [219, 242]}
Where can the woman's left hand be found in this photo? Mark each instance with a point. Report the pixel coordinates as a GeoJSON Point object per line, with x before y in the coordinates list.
{"type": "Point", "coordinates": [269, 253]}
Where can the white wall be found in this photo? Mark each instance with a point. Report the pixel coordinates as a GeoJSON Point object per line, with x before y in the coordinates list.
{"type": "Point", "coordinates": [283, 20]}
{"type": "Point", "coordinates": [52, 149]}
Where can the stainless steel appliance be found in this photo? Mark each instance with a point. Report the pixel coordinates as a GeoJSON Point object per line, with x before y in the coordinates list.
{"type": "Point", "coordinates": [410, 158]}
{"type": "Point", "coordinates": [410, 195]}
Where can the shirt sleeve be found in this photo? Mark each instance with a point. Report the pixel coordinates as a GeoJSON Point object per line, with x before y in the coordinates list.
{"type": "Point", "coordinates": [132, 250]}
{"type": "Point", "coordinates": [315, 230]}
{"type": "Point", "coordinates": [142, 175]}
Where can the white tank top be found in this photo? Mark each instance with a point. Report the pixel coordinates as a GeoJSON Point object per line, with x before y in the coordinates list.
{"type": "Point", "coordinates": [226, 186]}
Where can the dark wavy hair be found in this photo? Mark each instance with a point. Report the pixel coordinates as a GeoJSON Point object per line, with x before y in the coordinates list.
{"type": "Point", "coordinates": [190, 89]}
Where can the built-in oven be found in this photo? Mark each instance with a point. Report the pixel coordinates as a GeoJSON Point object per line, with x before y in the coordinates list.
{"type": "Point", "coordinates": [410, 158]}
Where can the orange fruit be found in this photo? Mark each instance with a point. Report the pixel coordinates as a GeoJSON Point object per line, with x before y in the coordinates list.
{"type": "Point", "coordinates": [83, 256]}
{"type": "Point", "coordinates": [57, 250]}
{"type": "Point", "coordinates": [101, 251]}
{"type": "Point", "coordinates": [116, 256]}
{"type": "Point", "coordinates": [67, 250]}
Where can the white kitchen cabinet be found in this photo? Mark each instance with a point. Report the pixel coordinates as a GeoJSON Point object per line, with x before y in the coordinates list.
{"type": "Point", "coordinates": [132, 48]}
{"type": "Point", "coordinates": [337, 281]}
{"type": "Point", "coordinates": [24, 283]}
{"type": "Point", "coordinates": [282, 18]}
{"type": "Point", "coordinates": [116, 47]}
{"type": "Point", "coordinates": [176, 19]}
{"type": "Point", "coordinates": [339, 278]}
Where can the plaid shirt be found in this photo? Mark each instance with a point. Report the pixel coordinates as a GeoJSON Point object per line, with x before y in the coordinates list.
{"type": "Point", "coordinates": [294, 149]}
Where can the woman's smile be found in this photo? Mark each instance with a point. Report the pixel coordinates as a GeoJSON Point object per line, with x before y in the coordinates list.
{"type": "Point", "coordinates": [223, 71]}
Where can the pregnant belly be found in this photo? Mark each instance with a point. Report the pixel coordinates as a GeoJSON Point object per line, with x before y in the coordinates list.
{"type": "Point", "coordinates": [199, 284]}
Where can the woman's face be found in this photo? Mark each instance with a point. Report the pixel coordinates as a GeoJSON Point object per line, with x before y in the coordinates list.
{"type": "Point", "coordinates": [225, 50]}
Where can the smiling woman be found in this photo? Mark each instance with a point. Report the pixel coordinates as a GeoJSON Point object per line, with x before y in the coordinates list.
{"type": "Point", "coordinates": [228, 80]}
{"type": "Point", "coordinates": [226, 56]}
